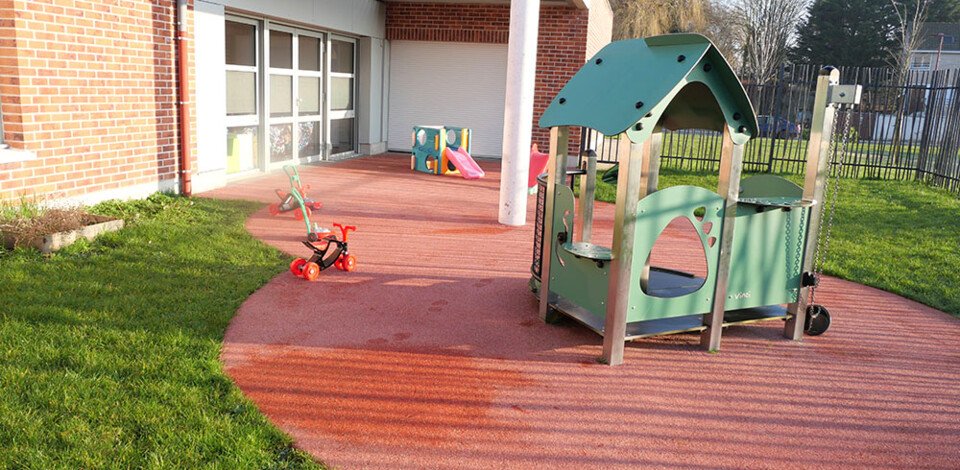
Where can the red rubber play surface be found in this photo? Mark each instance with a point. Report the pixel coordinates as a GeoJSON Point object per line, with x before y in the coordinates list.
{"type": "Point", "coordinates": [431, 355]}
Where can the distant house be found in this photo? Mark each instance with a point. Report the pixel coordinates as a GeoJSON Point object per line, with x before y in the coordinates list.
{"type": "Point", "coordinates": [925, 57]}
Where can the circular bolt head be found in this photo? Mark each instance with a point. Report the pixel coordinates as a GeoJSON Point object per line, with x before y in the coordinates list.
{"type": "Point", "coordinates": [562, 100]}
{"type": "Point", "coordinates": [707, 67]}
{"type": "Point", "coordinates": [638, 127]}
{"type": "Point", "coordinates": [681, 58]}
{"type": "Point", "coordinates": [737, 116]}
{"type": "Point", "coordinates": [639, 104]}
{"type": "Point", "coordinates": [598, 61]}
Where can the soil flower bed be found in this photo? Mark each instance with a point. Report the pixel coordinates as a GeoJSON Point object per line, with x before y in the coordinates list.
{"type": "Point", "coordinates": [52, 229]}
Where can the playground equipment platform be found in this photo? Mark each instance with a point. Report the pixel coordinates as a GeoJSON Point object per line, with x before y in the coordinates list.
{"type": "Point", "coordinates": [427, 358]}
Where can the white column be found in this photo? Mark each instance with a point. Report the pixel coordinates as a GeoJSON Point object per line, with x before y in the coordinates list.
{"type": "Point", "coordinates": [518, 110]}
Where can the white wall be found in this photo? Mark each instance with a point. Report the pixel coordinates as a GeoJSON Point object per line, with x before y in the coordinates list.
{"type": "Point", "coordinates": [599, 27]}
{"type": "Point", "coordinates": [370, 95]}
{"type": "Point", "coordinates": [211, 101]}
{"type": "Point", "coordinates": [357, 17]}
{"type": "Point", "coordinates": [455, 84]}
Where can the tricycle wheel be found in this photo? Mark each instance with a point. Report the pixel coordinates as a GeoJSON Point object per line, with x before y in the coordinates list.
{"type": "Point", "coordinates": [349, 264]}
{"type": "Point", "coordinates": [296, 266]}
{"type": "Point", "coordinates": [274, 209]}
{"type": "Point", "coordinates": [311, 271]}
{"type": "Point", "coordinates": [818, 320]}
{"type": "Point", "coordinates": [338, 264]}
{"type": "Point", "coordinates": [298, 213]}
{"type": "Point", "coordinates": [312, 237]}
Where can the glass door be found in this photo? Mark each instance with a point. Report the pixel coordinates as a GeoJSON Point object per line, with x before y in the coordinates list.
{"type": "Point", "coordinates": [308, 107]}
{"type": "Point", "coordinates": [280, 88]}
{"type": "Point", "coordinates": [343, 131]}
{"type": "Point", "coordinates": [296, 95]}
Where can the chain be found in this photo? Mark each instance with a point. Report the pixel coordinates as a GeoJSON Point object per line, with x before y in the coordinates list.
{"type": "Point", "coordinates": [797, 265]}
{"type": "Point", "coordinates": [822, 253]}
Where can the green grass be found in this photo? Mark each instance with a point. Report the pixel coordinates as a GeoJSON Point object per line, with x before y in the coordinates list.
{"type": "Point", "coordinates": [109, 350]}
{"type": "Point", "coordinates": [899, 236]}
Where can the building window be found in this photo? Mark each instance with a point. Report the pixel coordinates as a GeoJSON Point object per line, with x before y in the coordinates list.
{"type": "Point", "coordinates": [342, 94]}
{"type": "Point", "coordinates": [920, 62]}
{"type": "Point", "coordinates": [242, 72]}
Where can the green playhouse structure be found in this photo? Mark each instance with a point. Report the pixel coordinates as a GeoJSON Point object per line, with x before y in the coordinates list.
{"type": "Point", "coordinates": [759, 235]}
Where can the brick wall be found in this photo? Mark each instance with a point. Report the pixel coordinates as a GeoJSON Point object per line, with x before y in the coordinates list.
{"type": "Point", "coordinates": [481, 23]}
{"type": "Point", "coordinates": [561, 45]}
{"type": "Point", "coordinates": [90, 88]}
{"type": "Point", "coordinates": [561, 51]}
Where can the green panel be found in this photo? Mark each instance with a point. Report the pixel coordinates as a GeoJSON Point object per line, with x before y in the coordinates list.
{"type": "Point", "coordinates": [604, 96]}
{"type": "Point", "coordinates": [654, 213]}
{"type": "Point", "coordinates": [763, 186]}
{"type": "Point", "coordinates": [765, 262]}
{"type": "Point", "coordinates": [638, 78]}
{"type": "Point", "coordinates": [578, 279]}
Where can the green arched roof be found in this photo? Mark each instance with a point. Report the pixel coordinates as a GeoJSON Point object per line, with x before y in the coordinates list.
{"type": "Point", "coordinates": [677, 80]}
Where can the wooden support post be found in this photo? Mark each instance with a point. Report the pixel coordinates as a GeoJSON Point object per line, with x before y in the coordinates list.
{"type": "Point", "coordinates": [648, 185]}
{"type": "Point", "coordinates": [624, 230]}
{"type": "Point", "coordinates": [588, 188]}
{"type": "Point", "coordinates": [556, 172]}
{"type": "Point", "coordinates": [818, 170]}
{"type": "Point", "coordinates": [731, 165]}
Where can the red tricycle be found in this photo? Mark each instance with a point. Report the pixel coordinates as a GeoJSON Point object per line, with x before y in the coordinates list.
{"type": "Point", "coordinates": [288, 202]}
{"type": "Point", "coordinates": [327, 251]}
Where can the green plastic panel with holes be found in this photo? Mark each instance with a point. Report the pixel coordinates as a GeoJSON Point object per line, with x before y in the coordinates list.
{"type": "Point", "coordinates": [657, 299]}
{"type": "Point", "coordinates": [578, 278]}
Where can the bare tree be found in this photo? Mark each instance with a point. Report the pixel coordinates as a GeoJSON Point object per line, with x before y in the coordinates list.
{"type": "Point", "coordinates": [641, 18]}
{"type": "Point", "coordinates": [722, 30]}
{"type": "Point", "coordinates": [910, 16]}
{"type": "Point", "coordinates": [766, 30]}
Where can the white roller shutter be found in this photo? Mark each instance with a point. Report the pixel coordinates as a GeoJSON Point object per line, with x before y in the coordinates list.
{"type": "Point", "coordinates": [454, 84]}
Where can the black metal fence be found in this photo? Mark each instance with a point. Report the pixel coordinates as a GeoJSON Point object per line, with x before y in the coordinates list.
{"type": "Point", "coordinates": [901, 130]}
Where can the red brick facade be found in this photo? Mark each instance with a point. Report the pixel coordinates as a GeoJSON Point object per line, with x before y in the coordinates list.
{"type": "Point", "coordinates": [89, 87]}
{"type": "Point", "coordinates": [561, 45]}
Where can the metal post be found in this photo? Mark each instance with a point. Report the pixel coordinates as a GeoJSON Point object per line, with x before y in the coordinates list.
{"type": "Point", "coordinates": [588, 188]}
{"type": "Point", "coordinates": [731, 165]}
{"type": "Point", "coordinates": [818, 170]}
{"type": "Point", "coordinates": [649, 175]}
{"type": "Point", "coordinates": [556, 171]}
{"type": "Point", "coordinates": [518, 110]}
{"type": "Point", "coordinates": [624, 230]}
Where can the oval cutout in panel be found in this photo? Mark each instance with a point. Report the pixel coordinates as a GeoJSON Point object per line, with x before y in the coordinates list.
{"type": "Point", "coordinates": [679, 248]}
{"type": "Point", "coordinates": [699, 212]}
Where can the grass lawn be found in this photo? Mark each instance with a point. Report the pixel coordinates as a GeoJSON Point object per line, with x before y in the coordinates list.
{"type": "Point", "coordinates": [899, 236]}
{"type": "Point", "coordinates": [109, 350]}
{"type": "Point", "coordinates": [758, 151]}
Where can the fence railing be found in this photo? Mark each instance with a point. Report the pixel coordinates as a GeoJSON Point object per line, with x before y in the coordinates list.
{"type": "Point", "coordinates": [901, 130]}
